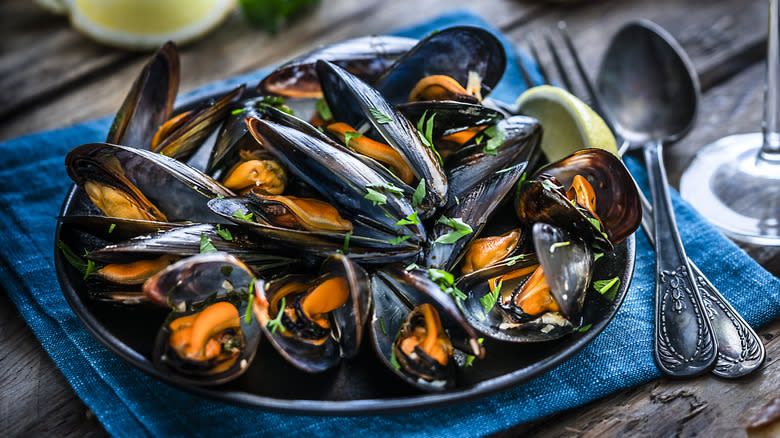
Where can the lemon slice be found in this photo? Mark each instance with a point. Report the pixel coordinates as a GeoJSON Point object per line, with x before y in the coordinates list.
{"type": "Point", "coordinates": [147, 24]}
{"type": "Point", "coordinates": [568, 123]}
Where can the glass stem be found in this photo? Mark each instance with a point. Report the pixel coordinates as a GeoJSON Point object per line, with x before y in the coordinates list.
{"type": "Point", "coordinates": [770, 150]}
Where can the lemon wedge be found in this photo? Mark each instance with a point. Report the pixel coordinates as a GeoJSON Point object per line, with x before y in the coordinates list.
{"type": "Point", "coordinates": [568, 123]}
{"type": "Point", "coordinates": [147, 24]}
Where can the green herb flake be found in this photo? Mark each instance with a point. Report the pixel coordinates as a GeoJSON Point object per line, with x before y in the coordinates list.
{"type": "Point", "coordinates": [446, 282]}
{"type": "Point", "coordinates": [224, 233]}
{"type": "Point", "coordinates": [248, 314]}
{"type": "Point", "coordinates": [489, 300]}
{"type": "Point", "coordinates": [549, 185]}
{"type": "Point", "coordinates": [349, 135]}
{"type": "Point", "coordinates": [557, 245]}
{"type": "Point", "coordinates": [390, 187]}
{"type": "Point", "coordinates": [275, 102]}
{"type": "Point", "coordinates": [276, 323]}
{"type": "Point", "coordinates": [379, 116]}
{"type": "Point", "coordinates": [607, 288]}
{"type": "Point", "coordinates": [419, 193]}
{"type": "Point", "coordinates": [399, 239]}
{"type": "Point", "coordinates": [470, 358]}
{"type": "Point", "coordinates": [243, 216]}
{"type": "Point", "coordinates": [323, 110]}
{"type": "Point", "coordinates": [111, 228]}
{"type": "Point", "coordinates": [457, 201]}
{"type": "Point", "coordinates": [461, 229]}
{"type": "Point", "coordinates": [382, 324]}
{"type": "Point", "coordinates": [412, 219]}
{"type": "Point", "coordinates": [346, 242]}
{"type": "Point", "coordinates": [205, 245]}
{"type": "Point", "coordinates": [393, 359]}
{"type": "Point", "coordinates": [514, 259]}
{"type": "Point", "coordinates": [595, 222]}
{"type": "Point", "coordinates": [478, 139]}
{"type": "Point", "coordinates": [496, 137]}
{"type": "Point", "coordinates": [220, 196]}
{"type": "Point", "coordinates": [226, 270]}
{"type": "Point", "coordinates": [584, 328]}
{"type": "Point", "coordinates": [425, 132]}
{"type": "Point", "coordinates": [411, 266]}
{"type": "Point", "coordinates": [522, 180]}
{"type": "Point", "coordinates": [87, 267]}
{"type": "Point", "coordinates": [237, 111]}
{"type": "Point", "coordinates": [375, 197]}
{"type": "Point", "coordinates": [597, 256]}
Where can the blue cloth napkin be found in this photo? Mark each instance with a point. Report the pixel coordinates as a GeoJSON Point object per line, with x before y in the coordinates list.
{"type": "Point", "coordinates": [33, 184]}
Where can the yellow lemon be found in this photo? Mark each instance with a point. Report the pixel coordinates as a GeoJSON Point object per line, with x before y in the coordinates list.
{"type": "Point", "coordinates": [147, 24]}
{"type": "Point", "coordinates": [568, 123]}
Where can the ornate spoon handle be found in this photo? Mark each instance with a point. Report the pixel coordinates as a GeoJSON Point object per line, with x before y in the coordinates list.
{"type": "Point", "coordinates": [685, 344]}
{"type": "Point", "coordinates": [740, 351]}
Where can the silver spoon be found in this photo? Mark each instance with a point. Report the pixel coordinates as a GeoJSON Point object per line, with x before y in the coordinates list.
{"type": "Point", "coordinates": [650, 92]}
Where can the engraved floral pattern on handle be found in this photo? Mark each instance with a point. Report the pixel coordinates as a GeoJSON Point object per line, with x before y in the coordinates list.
{"type": "Point", "coordinates": [676, 295]}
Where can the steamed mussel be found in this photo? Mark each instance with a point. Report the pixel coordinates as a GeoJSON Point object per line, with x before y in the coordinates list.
{"type": "Point", "coordinates": [398, 200]}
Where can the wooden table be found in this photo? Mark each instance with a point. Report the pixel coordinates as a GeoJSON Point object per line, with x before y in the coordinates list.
{"type": "Point", "coordinates": [51, 76]}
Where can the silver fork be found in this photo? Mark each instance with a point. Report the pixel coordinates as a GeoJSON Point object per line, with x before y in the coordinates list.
{"type": "Point", "coordinates": [740, 351]}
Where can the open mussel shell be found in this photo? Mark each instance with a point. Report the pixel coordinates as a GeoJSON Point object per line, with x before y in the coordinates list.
{"type": "Point", "coordinates": [115, 229]}
{"type": "Point", "coordinates": [192, 286]}
{"type": "Point", "coordinates": [363, 244]}
{"type": "Point", "coordinates": [617, 200]}
{"type": "Point", "coordinates": [338, 176]}
{"type": "Point", "coordinates": [454, 52]}
{"type": "Point", "coordinates": [451, 117]}
{"type": "Point", "coordinates": [177, 190]}
{"type": "Point", "coordinates": [570, 264]}
{"type": "Point", "coordinates": [474, 210]}
{"type": "Point", "coordinates": [183, 141]}
{"type": "Point", "coordinates": [261, 255]}
{"type": "Point", "coordinates": [233, 137]}
{"type": "Point", "coordinates": [346, 322]}
{"type": "Point", "coordinates": [354, 102]}
{"type": "Point", "coordinates": [472, 163]}
{"type": "Point", "coordinates": [365, 57]}
{"type": "Point", "coordinates": [150, 100]}
{"type": "Point", "coordinates": [568, 267]}
{"type": "Point", "coordinates": [194, 280]}
{"type": "Point", "coordinates": [237, 351]}
{"type": "Point", "coordinates": [397, 290]}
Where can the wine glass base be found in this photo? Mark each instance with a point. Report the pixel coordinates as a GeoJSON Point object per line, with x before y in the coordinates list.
{"type": "Point", "coordinates": [736, 192]}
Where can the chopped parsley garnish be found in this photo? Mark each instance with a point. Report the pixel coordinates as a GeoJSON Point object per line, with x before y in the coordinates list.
{"type": "Point", "coordinates": [276, 323]}
{"type": "Point", "coordinates": [419, 193]}
{"type": "Point", "coordinates": [379, 116]}
{"type": "Point", "coordinates": [411, 266]}
{"type": "Point", "coordinates": [226, 270]}
{"type": "Point", "coordinates": [425, 132]}
{"type": "Point", "coordinates": [496, 138]}
{"type": "Point", "coordinates": [243, 216]}
{"type": "Point", "coordinates": [349, 135]}
{"type": "Point", "coordinates": [375, 197]}
{"type": "Point", "coordinates": [470, 358]}
{"type": "Point", "coordinates": [489, 300]}
{"type": "Point", "coordinates": [412, 219]}
{"type": "Point", "coordinates": [237, 111]}
{"type": "Point", "coordinates": [393, 359]}
{"type": "Point", "coordinates": [382, 325]}
{"type": "Point", "coordinates": [206, 245]}
{"type": "Point", "coordinates": [549, 185]}
{"type": "Point", "coordinates": [557, 245]}
{"type": "Point", "coordinates": [514, 259]}
{"type": "Point", "coordinates": [346, 242]}
{"type": "Point", "coordinates": [111, 228]}
{"type": "Point", "coordinates": [248, 314]}
{"type": "Point", "coordinates": [224, 233]}
{"type": "Point", "coordinates": [272, 14]}
{"type": "Point", "coordinates": [219, 196]}
{"type": "Point", "coordinates": [446, 282]}
{"type": "Point", "coordinates": [595, 223]}
{"type": "Point", "coordinates": [597, 256]}
{"type": "Point", "coordinates": [457, 201]}
{"type": "Point", "coordinates": [390, 187]}
{"type": "Point", "coordinates": [87, 267]}
{"type": "Point", "coordinates": [460, 229]}
{"type": "Point", "coordinates": [607, 288]}
{"type": "Point", "coordinates": [399, 239]}
{"type": "Point", "coordinates": [323, 110]}
{"type": "Point", "coordinates": [275, 102]}
{"type": "Point", "coordinates": [522, 180]}
{"type": "Point", "coordinates": [584, 328]}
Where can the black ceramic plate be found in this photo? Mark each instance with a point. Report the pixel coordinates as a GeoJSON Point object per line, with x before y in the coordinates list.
{"type": "Point", "coordinates": [359, 386]}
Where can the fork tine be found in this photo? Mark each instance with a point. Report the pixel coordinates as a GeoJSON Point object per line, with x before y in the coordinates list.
{"type": "Point", "coordinates": [538, 60]}
{"type": "Point", "coordinates": [526, 76]}
{"type": "Point", "coordinates": [558, 63]}
{"type": "Point", "coordinates": [593, 97]}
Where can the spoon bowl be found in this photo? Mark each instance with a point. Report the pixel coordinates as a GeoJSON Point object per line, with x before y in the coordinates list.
{"type": "Point", "coordinates": [648, 86]}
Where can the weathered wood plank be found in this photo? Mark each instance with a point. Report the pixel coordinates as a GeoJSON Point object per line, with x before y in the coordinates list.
{"type": "Point", "coordinates": [707, 406]}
